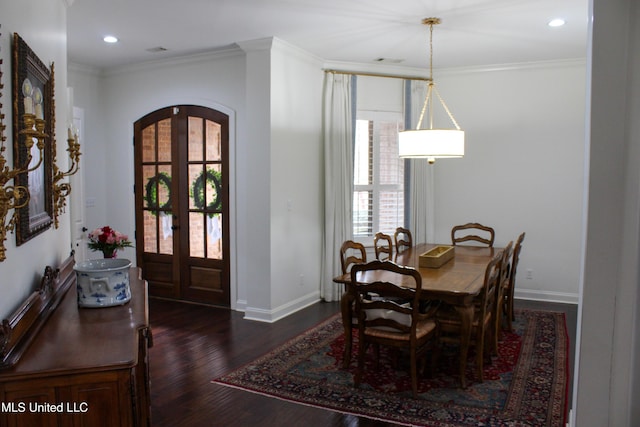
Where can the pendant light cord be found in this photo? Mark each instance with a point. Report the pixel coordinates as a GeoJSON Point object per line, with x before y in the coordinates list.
{"type": "Point", "coordinates": [431, 86]}
{"type": "Point", "coordinates": [431, 52]}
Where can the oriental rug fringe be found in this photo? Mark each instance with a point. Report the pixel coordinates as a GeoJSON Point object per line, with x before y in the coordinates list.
{"type": "Point", "coordinates": [525, 385]}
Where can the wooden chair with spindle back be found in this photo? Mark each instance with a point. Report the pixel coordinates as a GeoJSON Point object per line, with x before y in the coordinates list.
{"type": "Point", "coordinates": [482, 325]}
{"type": "Point", "coordinates": [383, 246]}
{"type": "Point", "coordinates": [351, 254]}
{"type": "Point", "coordinates": [386, 321]}
{"type": "Point", "coordinates": [403, 239]}
{"type": "Point", "coordinates": [507, 305]}
{"type": "Point", "coordinates": [469, 233]}
{"type": "Point", "coordinates": [505, 273]}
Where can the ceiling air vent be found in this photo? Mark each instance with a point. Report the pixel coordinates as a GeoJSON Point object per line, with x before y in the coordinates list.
{"type": "Point", "coordinates": [157, 49]}
{"type": "Point", "coordinates": [389, 60]}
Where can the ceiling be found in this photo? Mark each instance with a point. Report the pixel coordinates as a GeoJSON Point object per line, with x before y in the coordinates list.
{"type": "Point", "coordinates": [472, 33]}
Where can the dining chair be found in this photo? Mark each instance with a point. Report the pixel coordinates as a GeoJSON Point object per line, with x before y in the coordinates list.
{"type": "Point", "coordinates": [403, 239]}
{"type": "Point", "coordinates": [386, 321]}
{"type": "Point", "coordinates": [351, 254]}
{"type": "Point", "coordinates": [505, 273]}
{"type": "Point", "coordinates": [507, 305]}
{"type": "Point", "coordinates": [473, 232]}
{"type": "Point", "coordinates": [481, 326]}
{"type": "Point", "coordinates": [383, 246]}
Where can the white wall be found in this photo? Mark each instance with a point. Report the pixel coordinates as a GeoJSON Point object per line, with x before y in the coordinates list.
{"type": "Point", "coordinates": [113, 102]}
{"type": "Point", "coordinates": [46, 33]}
{"type": "Point", "coordinates": [275, 126]}
{"type": "Point", "coordinates": [608, 383]}
{"type": "Point", "coordinates": [254, 230]}
{"type": "Point", "coordinates": [296, 182]}
{"type": "Point", "coordinates": [380, 94]}
{"type": "Point", "coordinates": [630, 340]}
{"type": "Point", "coordinates": [88, 94]}
{"type": "Point", "coordinates": [523, 167]}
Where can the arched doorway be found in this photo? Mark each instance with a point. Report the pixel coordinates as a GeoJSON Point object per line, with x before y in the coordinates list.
{"type": "Point", "coordinates": [182, 203]}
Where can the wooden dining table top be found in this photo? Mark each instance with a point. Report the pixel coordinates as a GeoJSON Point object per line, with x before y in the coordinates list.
{"type": "Point", "coordinates": [459, 279]}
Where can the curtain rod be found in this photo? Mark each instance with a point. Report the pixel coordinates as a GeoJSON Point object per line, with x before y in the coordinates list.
{"type": "Point", "coordinates": [377, 75]}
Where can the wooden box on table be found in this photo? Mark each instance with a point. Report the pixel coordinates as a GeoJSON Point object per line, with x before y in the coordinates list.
{"type": "Point", "coordinates": [436, 257]}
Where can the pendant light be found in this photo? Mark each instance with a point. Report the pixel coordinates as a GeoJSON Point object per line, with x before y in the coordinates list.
{"type": "Point", "coordinates": [431, 143]}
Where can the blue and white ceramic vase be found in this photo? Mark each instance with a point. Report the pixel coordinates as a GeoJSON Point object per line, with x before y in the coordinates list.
{"type": "Point", "coordinates": [103, 282]}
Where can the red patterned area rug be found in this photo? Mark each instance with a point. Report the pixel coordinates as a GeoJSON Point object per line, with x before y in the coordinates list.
{"type": "Point", "coordinates": [525, 385]}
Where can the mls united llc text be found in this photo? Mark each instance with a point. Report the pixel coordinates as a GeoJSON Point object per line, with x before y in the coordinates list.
{"type": "Point", "coordinates": [21, 407]}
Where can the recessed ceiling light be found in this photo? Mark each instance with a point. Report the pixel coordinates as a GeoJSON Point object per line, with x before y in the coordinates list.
{"type": "Point", "coordinates": [110, 39]}
{"type": "Point", "coordinates": [557, 22]}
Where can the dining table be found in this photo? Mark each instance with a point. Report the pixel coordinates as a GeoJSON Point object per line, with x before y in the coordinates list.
{"type": "Point", "coordinates": [457, 282]}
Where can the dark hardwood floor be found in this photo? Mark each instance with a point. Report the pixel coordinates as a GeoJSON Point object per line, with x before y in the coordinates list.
{"type": "Point", "coordinates": [194, 344]}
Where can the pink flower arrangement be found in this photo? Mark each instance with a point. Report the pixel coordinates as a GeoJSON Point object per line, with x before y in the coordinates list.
{"type": "Point", "coordinates": [108, 240]}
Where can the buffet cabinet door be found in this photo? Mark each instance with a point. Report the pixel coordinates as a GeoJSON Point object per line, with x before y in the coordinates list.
{"type": "Point", "coordinates": [17, 407]}
{"type": "Point", "coordinates": [87, 400]}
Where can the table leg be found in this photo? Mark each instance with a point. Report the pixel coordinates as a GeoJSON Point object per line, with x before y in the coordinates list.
{"type": "Point", "coordinates": [346, 305]}
{"type": "Point", "coordinates": [466, 318]}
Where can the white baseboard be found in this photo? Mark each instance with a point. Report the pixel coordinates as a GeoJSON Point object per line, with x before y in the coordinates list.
{"type": "Point", "coordinates": [546, 296]}
{"type": "Point", "coordinates": [241, 305]}
{"type": "Point", "coordinates": [262, 315]}
{"type": "Point", "coordinates": [270, 316]}
{"type": "Point", "coordinates": [571, 422]}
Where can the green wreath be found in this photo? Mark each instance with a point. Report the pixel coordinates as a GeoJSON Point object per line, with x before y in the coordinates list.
{"type": "Point", "coordinates": [213, 178]}
{"type": "Point", "coordinates": [151, 191]}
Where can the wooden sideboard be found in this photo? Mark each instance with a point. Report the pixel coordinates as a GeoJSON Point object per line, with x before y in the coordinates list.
{"type": "Point", "coordinates": [77, 366]}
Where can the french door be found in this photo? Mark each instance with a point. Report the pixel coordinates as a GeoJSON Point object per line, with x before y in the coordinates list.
{"type": "Point", "coordinates": [182, 199]}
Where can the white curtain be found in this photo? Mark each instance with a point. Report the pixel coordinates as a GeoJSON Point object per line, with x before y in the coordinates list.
{"type": "Point", "coordinates": [338, 177]}
{"type": "Point", "coordinates": [421, 204]}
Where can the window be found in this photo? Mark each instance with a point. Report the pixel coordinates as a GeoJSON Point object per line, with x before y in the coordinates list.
{"type": "Point", "coordinates": [378, 175]}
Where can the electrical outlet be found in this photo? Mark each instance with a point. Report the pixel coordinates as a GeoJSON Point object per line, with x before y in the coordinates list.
{"type": "Point", "coordinates": [529, 275]}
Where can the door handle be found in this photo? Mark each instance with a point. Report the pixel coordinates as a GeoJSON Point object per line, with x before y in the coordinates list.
{"type": "Point", "coordinates": [174, 227]}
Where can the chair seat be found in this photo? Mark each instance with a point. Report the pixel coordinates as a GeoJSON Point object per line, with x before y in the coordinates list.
{"type": "Point", "coordinates": [423, 329]}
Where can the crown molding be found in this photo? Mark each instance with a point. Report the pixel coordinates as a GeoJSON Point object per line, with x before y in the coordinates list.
{"type": "Point", "coordinates": [226, 52]}
{"type": "Point", "coordinates": [413, 72]}
{"type": "Point", "coordinates": [296, 51]}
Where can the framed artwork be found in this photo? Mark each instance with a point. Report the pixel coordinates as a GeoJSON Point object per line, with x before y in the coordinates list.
{"type": "Point", "coordinates": [33, 139]}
